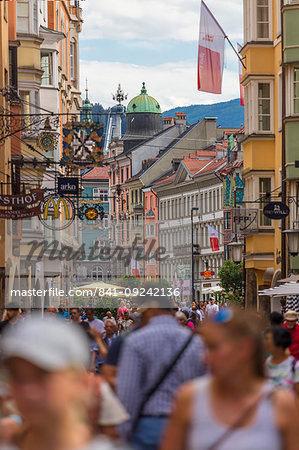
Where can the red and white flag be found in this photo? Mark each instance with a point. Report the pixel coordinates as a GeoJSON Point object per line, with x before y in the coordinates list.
{"type": "Point", "coordinates": [210, 52]}
{"type": "Point", "coordinates": [242, 100]}
{"type": "Point", "coordinates": [214, 238]}
{"type": "Point", "coordinates": [135, 268]}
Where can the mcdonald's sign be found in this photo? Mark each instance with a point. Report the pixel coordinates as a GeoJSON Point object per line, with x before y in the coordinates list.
{"type": "Point", "coordinates": [58, 204]}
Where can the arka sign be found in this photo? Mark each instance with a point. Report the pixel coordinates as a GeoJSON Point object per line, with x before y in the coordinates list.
{"type": "Point", "coordinates": [68, 185]}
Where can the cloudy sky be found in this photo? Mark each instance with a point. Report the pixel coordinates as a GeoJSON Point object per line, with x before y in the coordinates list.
{"type": "Point", "coordinates": [131, 41]}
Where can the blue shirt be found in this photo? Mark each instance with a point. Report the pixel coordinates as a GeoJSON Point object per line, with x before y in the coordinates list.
{"type": "Point", "coordinates": [145, 355]}
{"type": "Point", "coordinates": [64, 315]}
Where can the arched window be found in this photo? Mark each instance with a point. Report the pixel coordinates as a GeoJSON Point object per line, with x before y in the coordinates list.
{"type": "Point", "coordinates": [97, 273]}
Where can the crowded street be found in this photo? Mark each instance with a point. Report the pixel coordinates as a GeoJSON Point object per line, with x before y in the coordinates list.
{"type": "Point", "coordinates": [149, 225]}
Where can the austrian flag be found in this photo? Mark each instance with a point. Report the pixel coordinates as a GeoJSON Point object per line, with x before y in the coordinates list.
{"type": "Point", "coordinates": [214, 238]}
{"type": "Point", "coordinates": [210, 52]}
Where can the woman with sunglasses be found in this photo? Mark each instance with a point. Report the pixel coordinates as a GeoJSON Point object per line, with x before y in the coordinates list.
{"type": "Point", "coordinates": [234, 407]}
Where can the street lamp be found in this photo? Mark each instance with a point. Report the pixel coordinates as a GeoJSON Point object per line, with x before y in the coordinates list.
{"type": "Point", "coordinates": [293, 241]}
{"type": "Point", "coordinates": [237, 250]}
{"type": "Point", "coordinates": [192, 254]}
{"type": "Point", "coordinates": [238, 256]}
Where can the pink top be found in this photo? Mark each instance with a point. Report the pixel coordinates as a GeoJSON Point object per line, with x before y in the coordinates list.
{"type": "Point", "coordinates": [120, 311]}
{"type": "Point", "coordinates": [191, 325]}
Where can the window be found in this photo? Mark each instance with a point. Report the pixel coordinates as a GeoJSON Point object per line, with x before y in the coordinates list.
{"type": "Point", "coordinates": [23, 17]}
{"type": "Point", "coordinates": [73, 60]}
{"type": "Point", "coordinates": [258, 20]}
{"type": "Point", "coordinates": [121, 175]}
{"type": "Point", "coordinates": [127, 174]}
{"type": "Point", "coordinates": [97, 273]}
{"type": "Point", "coordinates": [25, 100]}
{"type": "Point", "coordinates": [102, 194]}
{"type": "Point", "coordinates": [150, 230]}
{"type": "Point", "coordinates": [227, 220]}
{"type": "Point", "coordinates": [35, 17]}
{"type": "Point", "coordinates": [264, 189]}
{"type": "Point", "coordinates": [264, 107]}
{"type": "Point", "coordinates": [62, 43]}
{"type": "Point", "coordinates": [13, 68]}
{"type": "Point", "coordinates": [47, 67]}
{"type": "Point", "coordinates": [262, 19]}
{"type": "Point", "coordinates": [296, 90]}
{"type": "Point", "coordinates": [150, 258]}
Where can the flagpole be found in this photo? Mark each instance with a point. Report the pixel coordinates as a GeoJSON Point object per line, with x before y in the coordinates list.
{"type": "Point", "coordinates": [225, 35]}
{"type": "Point", "coordinates": [238, 55]}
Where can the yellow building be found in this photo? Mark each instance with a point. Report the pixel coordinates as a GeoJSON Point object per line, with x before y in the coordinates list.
{"type": "Point", "coordinates": [5, 239]}
{"type": "Point", "coordinates": [262, 80]}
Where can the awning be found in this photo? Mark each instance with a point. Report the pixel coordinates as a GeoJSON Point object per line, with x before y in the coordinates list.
{"type": "Point", "coordinates": [290, 279]}
{"type": "Point", "coordinates": [282, 291]}
{"type": "Point", "coordinates": [212, 290]}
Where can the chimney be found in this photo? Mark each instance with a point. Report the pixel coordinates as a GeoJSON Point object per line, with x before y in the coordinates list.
{"type": "Point", "coordinates": [220, 152]}
{"type": "Point", "coordinates": [181, 121]}
{"type": "Point", "coordinates": [175, 163]}
{"type": "Point", "coordinates": [168, 122]}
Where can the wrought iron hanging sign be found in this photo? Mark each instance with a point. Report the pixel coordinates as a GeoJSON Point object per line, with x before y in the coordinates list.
{"type": "Point", "coordinates": [82, 144]}
{"type": "Point", "coordinates": [47, 142]}
{"type": "Point", "coordinates": [57, 213]}
{"type": "Point", "coordinates": [90, 212]}
{"type": "Point", "coordinates": [23, 205]}
{"type": "Point", "coordinates": [276, 210]}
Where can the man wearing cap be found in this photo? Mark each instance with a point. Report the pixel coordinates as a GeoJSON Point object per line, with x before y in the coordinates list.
{"type": "Point", "coordinates": [161, 349]}
{"type": "Point", "coordinates": [290, 323]}
{"type": "Point", "coordinates": [46, 361]}
{"type": "Point", "coordinates": [12, 316]}
{"type": "Point", "coordinates": [212, 308]}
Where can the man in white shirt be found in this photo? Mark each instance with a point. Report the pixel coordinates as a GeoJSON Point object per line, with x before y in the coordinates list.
{"type": "Point", "coordinates": [97, 324]}
{"type": "Point", "coordinates": [212, 307]}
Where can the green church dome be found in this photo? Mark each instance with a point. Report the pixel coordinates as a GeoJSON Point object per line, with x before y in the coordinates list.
{"type": "Point", "coordinates": [143, 103]}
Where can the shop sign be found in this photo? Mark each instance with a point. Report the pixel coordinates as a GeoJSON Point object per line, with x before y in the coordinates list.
{"type": "Point", "coordinates": [20, 213]}
{"type": "Point", "coordinates": [276, 210]}
{"type": "Point", "coordinates": [207, 273]}
{"type": "Point", "coordinates": [60, 208]}
{"type": "Point", "coordinates": [68, 185]}
{"type": "Point", "coordinates": [22, 199]}
{"type": "Point", "coordinates": [24, 205]}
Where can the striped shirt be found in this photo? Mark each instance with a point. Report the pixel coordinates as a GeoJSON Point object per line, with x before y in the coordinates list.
{"type": "Point", "coordinates": [145, 355]}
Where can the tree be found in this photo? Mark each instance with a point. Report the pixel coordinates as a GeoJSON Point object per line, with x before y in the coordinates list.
{"type": "Point", "coordinates": [231, 276]}
{"type": "Point", "coordinates": [129, 281]}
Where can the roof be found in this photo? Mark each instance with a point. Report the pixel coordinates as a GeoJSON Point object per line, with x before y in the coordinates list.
{"type": "Point", "coordinates": [165, 180]}
{"type": "Point", "coordinates": [144, 103]}
{"type": "Point", "coordinates": [150, 213]}
{"type": "Point", "coordinates": [194, 165]}
{"type": "Point", "coordinates": [212, 166]}
{"type": "Point", "coordinates": [97, 173]}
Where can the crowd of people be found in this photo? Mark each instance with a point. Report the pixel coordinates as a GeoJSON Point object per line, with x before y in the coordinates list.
{"type": "Point", "coordinates": [157, 376]}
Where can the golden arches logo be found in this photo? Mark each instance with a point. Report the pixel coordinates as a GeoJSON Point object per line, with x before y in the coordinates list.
{"type": "Point", "coordinates": [56, 205]}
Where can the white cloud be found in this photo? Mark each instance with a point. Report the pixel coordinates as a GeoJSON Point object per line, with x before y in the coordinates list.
{"type": "Point", "coordinates": [154, 20]}
{"type": "Point", "coordinates": [172, 84]}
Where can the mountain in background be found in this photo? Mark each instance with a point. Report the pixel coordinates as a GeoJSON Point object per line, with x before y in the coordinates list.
{"type": "Point", "coordinates": [229, 114]}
